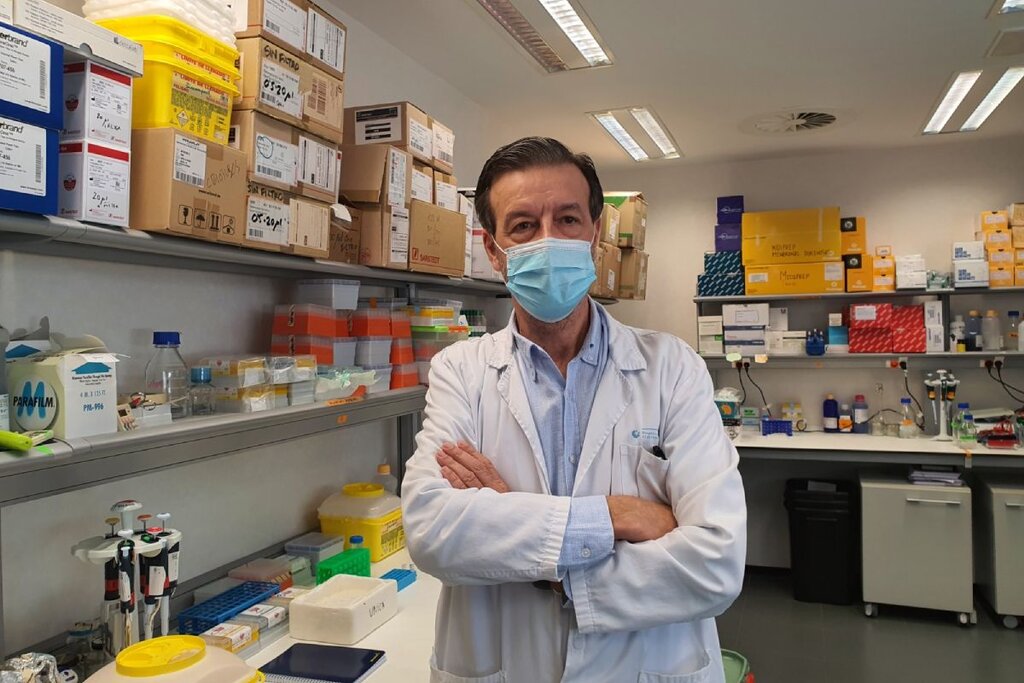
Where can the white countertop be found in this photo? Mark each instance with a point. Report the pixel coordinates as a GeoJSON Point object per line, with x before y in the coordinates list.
{"type": "Point", "coordinates": [407, 640]}
{"type": "Point", "coordinates": [861, 442]}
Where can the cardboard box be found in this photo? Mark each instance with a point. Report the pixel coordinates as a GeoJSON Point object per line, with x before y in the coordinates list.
{"type": "Point", "coordinates": [325, 41]}
{"type": "Point", "coordinates": [1001, 276]}
{"type": "Point", "coordinates": [1017, 234]}
{"type": "Point", "coordinates": [271, 149]}
{"type": "Point", "coordinates": [30, 84]}
{"type": "Point", "coordinates": [399, 124]}
{"type": "Point", "coordinates": [632, 217]}
{"type": "Point", "coordinates": [1015, 213]}
{"type": "Point", "coordinates": [271, 80]}
{"type": "Point", "coordinates": [443, 146]}
{"type": "Point", "coordinates": [730, 210]}
{"type": "Point", "coordinates": [422, 185]}
{"type": "Point", "coordinates": [996, 237]}
{"type": "Point", "coordinates": [969, 250]}
{"type": "Point", "coordinates": [853, 234]}
{"type": "Point", "coordinates": [187, 186]}
{"type": "Point", "coordinates": [935, 339]}
{"type": "Point", "coordinates": [1001, 256]}
{"type": "Point", "coordinates": [796, 236]}
{"type": "Point", "coordinates": [796, 278]}
{"type": "Point", "coordinates": [94, 183]}
{"type": "Point", "coordinates": [908, 317]}
{"type": "Point", "coordinates": [884, 279]}
{"type": "Point", "coordinates": [309, 228]}
{"type": "Point", "coordinates": [883, 251]}
{"type": "Point", "coordinates": [446, 191]}
{"type": "Point", "coordinates": [608, 266]}
{"type": "Point", "coordinates": [344, 237]}
{"type": "Point", "coordinates": [384, 235]}
{"type": "Point", "coordinates": [909, 340]}
{"type": "Point", "coordinates": [743, 335]}
{"type": "Point", "coordinates": [933, 313]}
{"type": "Point", "coordinates": [73, 392]}
{"type": "Point", "coordinates": [778, 319]}
{"type": "Point", "coordinates": [1019, 256]}
{"type": "Point", "coordinates": [1018, 276]}
{"type": "Point", "coordinates": [912, 279]}
{"type": "Point", "coordinates": [633, 275]}
{"type": "Point", "coordinates": [323, 103]}
{"type": "Point", "coordinates": [728, 237]}
{"type": "Point", "coordinates": [910, 263]}
{"type": "Point", "coordinates": [874, 340]}
{"type": "Point", "coordinates": [282, 22]}
{"type": "Point", "coordinates": [319, 168]}
{"type": "Point", "coordinates": [97, 105]}
{"type": "Point", "coordinates": [482, 269]}
{"type": "Point", "coordinates": [747, 349]}
{"type": "Point", "coordinates": [970, 273]}
{"type": "Point", "coordinates": [268, 217]}
{"type": "Point", "coordinates": [721, 284]}
{"type": "Point", "coordinates": [29, 168]}
{"type": "Point", "coordinates": [437, 240]}
{"type": "Point", "coordinates": [467, 207]}
{"type": "Point", "coordinates": [870, 316]}
{"type": "Point", "coordinates": [376, 174]}
{"type": "Point", "coordinates": [860, 272]}
{"type": "Point", "coordinates": [712, 345]}
{"type": "Point", "coordinates": [994, 220]}
{"type": "Point", "coordinates": [709, 325]}
{"type": "Point", "coordinates": [608, 225]}
{"type": "Point", "coordinates": [746, 315]}
{"type": "Point", "coordinates": [722, 262]}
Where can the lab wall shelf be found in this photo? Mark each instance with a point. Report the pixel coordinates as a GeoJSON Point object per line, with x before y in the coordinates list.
{"type": "Point", "coordinates": [900, 293]}
{"type": "Point", "coordinates": [972, 359]}
{"type": "Point", "coordinates": [86, 462]}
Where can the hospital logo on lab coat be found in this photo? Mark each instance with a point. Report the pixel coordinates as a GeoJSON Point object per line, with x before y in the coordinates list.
{"type": "Point", "coordinates": [647, 435]}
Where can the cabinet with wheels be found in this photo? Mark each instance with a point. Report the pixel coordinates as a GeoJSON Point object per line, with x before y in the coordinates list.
{"type": "Point", "coordinates": [999, 558]}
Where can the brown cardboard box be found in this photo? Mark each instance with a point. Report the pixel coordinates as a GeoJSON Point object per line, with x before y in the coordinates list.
{"type": "Point", "coordinates": [633, 275]}
{"type": "Point", "coordinates": [608, 226]}
{"type": "Point", "coordinates": [632, 217]}
{"type": "Point", "coordinates": [443, 145]}
{"type": "Point", "coordinates": [375, 174]}
{"type": "Point", "coordinates": [271, 80]}
{"type": "Point", "coordinates": [422, 186]}
{"type": "Point", "coordinates": [608, 275]}
{"type": "Point", "coordinates": [599, 257]}
{"type": "Point", "coordinates": [437, 240]}
{"type": "Point", "coordinates": [853, 234]}
{"type": "Point", "coordinates": [1015, 213]}
{"type": "Point", "coordinates": [1017, 235]}
{"type": "Point", "coordinates": [318, 169]}
{"type": "Point", "coordinates": [270, 148]}
{"type": "Point", "coordinates": [446, 191]}
{"type": "Point", "coordinates": [344, 236]}
{"type": "Point", "coordinates": [400, 124]}
{"type": "Point", "coordinates": [309, 229]}
{"type": "Point", "coordinates": [187, 186]}
{"type": "Point", "coordinates": [325, 41]}
{"type": "Point", "coordinates": [323, 103]}
{"type": "Point", "coordinates": [280, 21]}
{"type": "Point", "coordinates": [268, 217]}
{"type": "Point", "coordinates": [384, 236]}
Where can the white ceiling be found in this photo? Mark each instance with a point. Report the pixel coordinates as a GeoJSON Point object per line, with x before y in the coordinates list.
{"type": "Point", "coordinates": [706, 66]}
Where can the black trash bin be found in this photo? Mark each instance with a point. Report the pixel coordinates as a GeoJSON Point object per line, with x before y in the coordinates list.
{"type": "Point", "coordinates": [824, 540]}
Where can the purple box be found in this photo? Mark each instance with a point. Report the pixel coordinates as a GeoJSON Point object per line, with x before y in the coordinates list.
{"type": "Point", "coordinates": [730, 210]}
{"type": "Point", "coordinates": [728, 237]}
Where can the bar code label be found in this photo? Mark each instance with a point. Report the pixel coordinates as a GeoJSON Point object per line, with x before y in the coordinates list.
{"type": "Point", "coordinates": [189, 161]}
{"type": "Point", "coordinates": [316, 99]}
{"type": "Point", "coordinates": [399, 235]}
{"type": "Point", "coordinates": [275, 159]}
{"type": "Point", "coordinates": [286, 21]}
{"type": "Point", "coordinates": [444, 145]}
{"type": "Point", "coordinates": [420, 139]}
{"type": "Point", "coordinates": [26, 73]}
{"type": "Point", "coordinates": [317, 165]}
{"type": "Point", "coordinates": [325, 40]}
{"type": "Point", "coordinates": [280, 89]}
{"type": "Point", "coordinates": [396, 179]}
{"type": "Point", "coordinates": [267, 221]}
{"type": "Point", "coordinates": [22, 158]}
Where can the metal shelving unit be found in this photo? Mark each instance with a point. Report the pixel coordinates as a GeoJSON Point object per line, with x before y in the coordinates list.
{"type": "Point", "coordinates": [900, 293]}
{"type": "Point", "coordinates": [973, 359]}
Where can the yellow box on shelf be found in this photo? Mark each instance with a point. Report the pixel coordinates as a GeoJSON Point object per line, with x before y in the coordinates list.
{"type": "Point", "coordinates": [794, 236]}
{"type": "Point", "coordinates": [854, 235]}
{"type": "Point", "coordinates": [1000, 276]}
{"type": "Point", "coordinates": [796, 278]}
{"type": "Point", "coordinates": [860, 272]}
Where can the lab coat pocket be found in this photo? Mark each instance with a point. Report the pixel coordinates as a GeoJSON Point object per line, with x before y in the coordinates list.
{"type": "Point", "coordinates": [438, 676]}
{"type": "Point", "coordinates": [699, 676]}
{"type": "Point", "coordinates": [640, 473]}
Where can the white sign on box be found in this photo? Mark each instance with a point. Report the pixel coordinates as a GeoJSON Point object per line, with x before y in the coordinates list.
{"type": "Point", "coordinates": [325, 40]}
{"type": "Point", "coordinates": [422, 186]}
{"type": "Point", "coordinates": [267, 221]}
{"type": "Point", "coordinates": [318, 165]}
{"type": "Point", "coordinates": [97, 104]}
{"type": "Point", "coordinates": [399, 235]}
{"type": "Point", "coordinates": [279, 88]}
{"type": "Point", "coordinates": [420, 138]}
{"type": "Point", "coordinates": [275, 159]}
{"type": "Point", "coordinates": [285, 20]}
{"type": "Point", "coordinates": [189, 161]}
{"type": "Point", "coordinates": [396, 181]}
{"type": "Point", "coordinates": [25, 76]}
{"type": "Point", "coordinates": [22, 158]}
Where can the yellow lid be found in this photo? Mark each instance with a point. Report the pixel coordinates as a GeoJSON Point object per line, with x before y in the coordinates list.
{"type": "Point", "coordinates": [161, 656]}
{"type": "Point", "coordinates": [363, 490]}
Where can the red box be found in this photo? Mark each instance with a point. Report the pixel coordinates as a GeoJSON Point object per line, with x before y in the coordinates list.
{"type": "Point", "coordinates": [870, 340]}
{"type": "Point", "coordinates": [304, 319]}
{"type": "Point", "coordinates": [908, 317]}
{"type": "Point", "coordinates": [909, 340]}
{"type": "Point", "coordinates": [342, 323]}
{"type": "Point", "coordinates": [870, 316]}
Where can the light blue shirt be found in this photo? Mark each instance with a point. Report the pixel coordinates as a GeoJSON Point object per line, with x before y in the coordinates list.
{"type": "Point", "coordinates": [561, 410]}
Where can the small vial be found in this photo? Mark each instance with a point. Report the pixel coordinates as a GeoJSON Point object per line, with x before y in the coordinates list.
{"type": "Point", "coordinates": [355, 542]}
{"type": "Point", "coordinates": [202, 393]}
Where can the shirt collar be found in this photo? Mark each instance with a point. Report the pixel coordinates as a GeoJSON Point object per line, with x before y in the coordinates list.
{"type": "Point", "coordinates": [590, 352]}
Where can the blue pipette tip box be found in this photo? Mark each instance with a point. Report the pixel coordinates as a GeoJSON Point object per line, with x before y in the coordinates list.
{"type": "Point", "coordinates": [403, 577]}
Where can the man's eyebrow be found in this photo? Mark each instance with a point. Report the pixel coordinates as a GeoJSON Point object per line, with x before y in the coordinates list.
{"type": "Point", "coordinates": [569, 207]}
{"type": "Point", "coordinates": [517, 214]}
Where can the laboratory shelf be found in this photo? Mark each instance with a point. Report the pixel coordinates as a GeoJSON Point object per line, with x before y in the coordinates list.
{"type": "Point", "coordinates": [81, 463]}
{"type": "Point", "coordinates": [53, 236]}
{"type": "Point", "coordinates": [971, 359]}
{"type": "Point", "coordinates": [900, 293]}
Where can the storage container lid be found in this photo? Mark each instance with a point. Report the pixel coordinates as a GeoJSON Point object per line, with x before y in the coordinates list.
{"type": "Point", "coordinates": [360, 500]}
{"type": "Point", "coordinates": [177, 659]}
{"type": "Point", "coordinates": [313, 542]}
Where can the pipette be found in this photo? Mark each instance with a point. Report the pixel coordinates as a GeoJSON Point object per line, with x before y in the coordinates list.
{"type": "Point", "coordinates": [126, 583]}
{"type": "Point", "coordinates": [171, 558]}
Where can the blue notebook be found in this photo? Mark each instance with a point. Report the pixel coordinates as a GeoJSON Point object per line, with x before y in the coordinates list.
{"type": "Point", "coordinates": [306, 663]}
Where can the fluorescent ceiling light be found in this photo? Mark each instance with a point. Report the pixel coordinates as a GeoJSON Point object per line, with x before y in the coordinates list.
{"type": "Point", "coordinates": [654, 129]}
{"type": "Point", "coordinates": [961, 85]}
{"type": "Point", "coordinates": [573, 27]}
{"type": "Point", "coordinates": [512, 20]}
{"type": "Point", "coordinates": [1012, 6]}
{"type": "Point", "coordinates": [993, 99]}
{"type": "Point", "coordinates": [625, 140]}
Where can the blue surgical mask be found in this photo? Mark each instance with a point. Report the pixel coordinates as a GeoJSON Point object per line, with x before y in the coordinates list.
{"type": "Point", "coordinates": [550, 277]}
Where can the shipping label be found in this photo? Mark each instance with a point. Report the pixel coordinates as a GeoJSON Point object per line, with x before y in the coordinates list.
{"type": "Point", "coordinates": [422, 186]}
{"type": "Point", "coordinates": [279, 88]}
{"type": "Point", "coordinates": [420, 139]}
{"type": "Point", "coordinates": [275, 159]}
{"type": "Point", "coordinates": [108, 172]}
{"type": "Point", "coordinates": [396, 178]}
{"type": "Point", "coordinates": [25, 70]}
{"type": "Point", "coordinates": [267, 221]}
{"type": "Point", "coordinates": [22, 158]}
{"type": "Point", "coordinates": [189, 161]}
{"type": "Point", "coordinates": [325, 40]}
{"type": "Point", "coordinates": [285, 20]}
{"type": "Point", "coordinates": [318, 165]}
{"type": "Point", "coordinates": [111, 107]}
{"type": "Point", "coordinates": [444, 145]}
{"type": "Point", "coordinates": [446, 196]}
{"type": "Point", "coordinates": [399, 235]}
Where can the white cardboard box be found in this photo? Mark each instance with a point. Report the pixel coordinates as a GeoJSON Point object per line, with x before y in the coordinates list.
{"type": "Point", "coordinates": [709, 325]}
{"type": "Point", "coordinates": [778, 319]}
{"type": "Point", "coordinates": [97, 104]}
{"type": "Point", "coordinates": [710, 345]}
{"type": "Point", "coordinates": [935, 338]}
{"type": "Point", "coordinates": [914, 279]}
{"type": "Point", "coordinates": [467, 207]}
{"type": "Point", "coordinates": [933, 313]}
{"type": "Point", "coordinates": [968, 250]}
{"type": "Point", "coordinates": [94, 183]}
{"type": "Point", "coordinates": [971, 273]}
{"type": "Point", "coordinates": [746, 315]}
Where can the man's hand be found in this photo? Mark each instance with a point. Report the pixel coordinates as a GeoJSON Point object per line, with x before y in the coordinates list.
{"type": "Point", "coordinates": [637, 520]}
{"type": "Point", "coordinates": [466, 468]}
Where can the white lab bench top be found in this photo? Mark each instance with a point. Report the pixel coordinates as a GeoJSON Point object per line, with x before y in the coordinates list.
{"type": "Point", "coordinates": [861, 442]}
{"type": "Point", "coordinates": [407, 639]}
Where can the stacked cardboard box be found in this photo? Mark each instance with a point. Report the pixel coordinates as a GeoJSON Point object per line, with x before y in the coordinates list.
{"type": "Point", "coordinates": [911, 272]}
{"type": "Point", "coordinates": [621, 256]}
{"type": "Point", "coordinates": [710, 335]}
{"type": "Point", "coordinates": [1015, 214]}
{"type": "Point", "coordinates": [728, 229]}
{"type": "Point", "coordinates": [722, 276]}
{"type": "Point", "coordinates": [793, 252]}
{"type": "Point", "coordinates": [745, 328]}
{"type": "Point", "coordinates": [996, 233]}
{"type": "Point", "coordinates": [870, 327]}
{"type": "Point", "coordinates": [857, 263]}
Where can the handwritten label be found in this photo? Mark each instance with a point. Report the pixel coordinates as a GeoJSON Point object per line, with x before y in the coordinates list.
{"type": "Point", "coordinates": [279, 88]}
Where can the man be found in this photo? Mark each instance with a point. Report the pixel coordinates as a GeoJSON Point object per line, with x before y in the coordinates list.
{"type": "Point", "coordinates": [572, 486]}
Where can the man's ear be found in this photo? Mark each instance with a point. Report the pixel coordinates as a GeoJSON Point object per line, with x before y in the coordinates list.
{"type": "Point", "coordinates": [493, 253]}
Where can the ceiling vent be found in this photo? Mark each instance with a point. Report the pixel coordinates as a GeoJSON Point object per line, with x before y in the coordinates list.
{"type": "Point", "coordinates": [792, 121]}
{"type": "Point", "coordinates": [1009, 43]}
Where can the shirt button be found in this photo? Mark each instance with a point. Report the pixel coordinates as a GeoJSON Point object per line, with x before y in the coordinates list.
{"type": "Point", "coordinates": [585, 552]}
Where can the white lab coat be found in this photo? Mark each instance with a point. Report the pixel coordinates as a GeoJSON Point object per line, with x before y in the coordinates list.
{"type": "Point", "coordinates": [646, 613]}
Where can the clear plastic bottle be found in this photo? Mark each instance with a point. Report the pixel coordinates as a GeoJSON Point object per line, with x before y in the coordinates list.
{"type": "Point", "coordinates": [386, 479]}
{"type": "Point", "coordinates": [908, 422]}
{"type": "Point", "coordinates": [957, 421]}
{"type": "Point", "coordinates": [860, 415]}
{"type": "Point", "coordinates": [972, 334]}
{"type": "Point", "coordinates": [202, 392]}
{"type": "Point", "coordinates": [968, 431]}
{"type": "Point", "coordinates": [1011, 341]}
{"type": "Point", "coordinates": [167, 373]}
{"type": "Point", "coordinates": [878, 425]}
{"type": "Point", "coordinates": [991, 332]}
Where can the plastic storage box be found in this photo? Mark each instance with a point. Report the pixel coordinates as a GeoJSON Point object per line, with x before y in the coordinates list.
{"type": "Point", "coordinates": [342, 325]}
{"type": "Point", "coordinates": [266, 570]}
{"type": "Point", "coordinates": [248, 400]}
{"type": "Point", "coordinates": [305, 319]}
{"type": "Point", "coordinates": [401, 324]}
{"type": "Point", "coordinates": [382, 378]}
{"type": "Point", "coordinates": [186, 659]}
{"type": "Point", "coordinates": [291, 344]}
{"type": "Point", "coordinates": [206, 615]}
{"type": "Point", "coordinates": [290, 369]}
{"type": "Point", "coordinates": [344, 353]}
{"type": "Point", "coordinates": [373, 351]}
{"type": "Point", "coordinates": [354, 561]}
{"type": "Point", "coordinates": [339, 295]}
{"type": "Point", "coordinates": [365, 510]}
{"type": "Point", "coordinates": [401, 351]}
{"type": "Point", "coordinates": [403, 376]}
{"type": "Point", "coordinates": [432, 316]}
{"type": "Point", "coordinates": [429, 341]}
{"type": "Point", "coordinates": [344, 610]}
{"type": "Point", "coordinates": [285, 597]}
{"type": "Point", "coordinates": [371, 322]}
{"type": "Point", "coordinates": [423, 370]}
{"type": "Point", "coordinates": [237, 371]}
{"type": "Point", "coordinates": [315, 546]}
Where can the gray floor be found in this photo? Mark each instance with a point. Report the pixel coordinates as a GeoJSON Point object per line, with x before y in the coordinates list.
{"type": "Point", "coordinates": [792, 642]}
